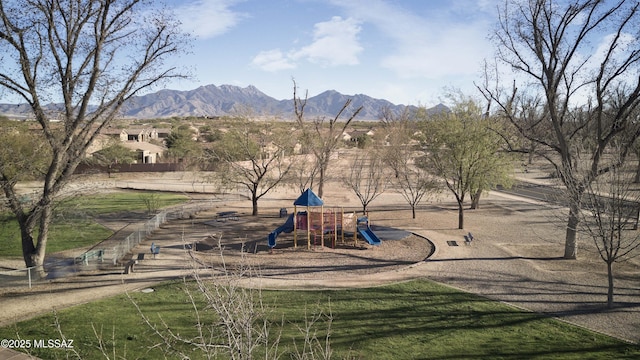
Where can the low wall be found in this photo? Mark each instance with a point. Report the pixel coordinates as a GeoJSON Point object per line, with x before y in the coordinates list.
{"type": "Point", "coordinates": [126, 168]}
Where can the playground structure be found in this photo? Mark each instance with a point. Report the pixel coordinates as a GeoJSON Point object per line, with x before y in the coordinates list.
{"type": "Point", "coordinates": [316, 223]}
{"type": "Point", "coordinates": [365, 231]}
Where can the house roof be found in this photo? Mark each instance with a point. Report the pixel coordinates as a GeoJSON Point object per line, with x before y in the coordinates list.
{"type": "Point", "coordinates": [111, 131]}
{"type": "Point", "coordinates": [356, 133]}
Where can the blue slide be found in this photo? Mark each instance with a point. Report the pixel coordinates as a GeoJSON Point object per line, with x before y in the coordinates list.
{"type": "Point", "coordinates": [365, 231]}
{"type": "Point", "coordinates": [368, 235]}
{"type": "Point", "coordinates": [287, 227]}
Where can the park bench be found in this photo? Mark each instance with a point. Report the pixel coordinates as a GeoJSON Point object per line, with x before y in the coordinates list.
{"type": "Point", "coordinates": [155, 250]}
{"type": "Point", "coordinates": [129, 266]}
{"type": "Point", "coordinates": [227, 215]}
{"type": "Point", "coordinates": [468, 239]}
{"type": "Point", "coordinates": [91, 254]}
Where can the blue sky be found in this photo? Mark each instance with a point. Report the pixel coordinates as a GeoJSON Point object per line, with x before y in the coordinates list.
{"type": "Point", "coordinates": [405, 51]}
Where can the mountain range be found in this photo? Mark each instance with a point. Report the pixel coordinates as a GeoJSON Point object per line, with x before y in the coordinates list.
{"type": "Point", "coordinates": [212, 101]}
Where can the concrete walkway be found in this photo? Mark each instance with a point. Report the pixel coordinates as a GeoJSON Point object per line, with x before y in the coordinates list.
{"type": "Point", "coordinates": [9, 354]}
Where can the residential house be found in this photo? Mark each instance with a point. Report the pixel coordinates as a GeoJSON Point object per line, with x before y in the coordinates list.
{"type": "Point", "coordinates": [147, 153]}
{"type": "Point", "coordinates": [134, 138]}
{"type": "Point", "coordinates": [353, 135]}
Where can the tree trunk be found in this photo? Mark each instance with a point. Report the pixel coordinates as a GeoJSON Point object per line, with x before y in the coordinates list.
{"type": "Point", "coordinates": [33, 254]}
{"type": "Point", "coordinates": [46, 217]}
{"type": "Point", "coordinates": [321, 181]}
{"type": "Point", "coordinates": [637, 178]}
{"type": "Point", "coordinates": [475, 200]}
{"type": "Point", "coordinates": [413, 211]}
{"type": "Point", "coordinates": [28, 248]}
{"type": "Point", "coordinates": [610, 288]}
{"type": "Point", "coordinates": [254, 205]}
{"type": "Point", "coordinates": [571, 243]}
{"type": "Point", "coordinates": [460, 215]}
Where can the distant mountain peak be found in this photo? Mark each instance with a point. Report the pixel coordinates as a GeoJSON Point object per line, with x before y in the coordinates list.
{"type": "Point", "coordinates": [229, 88]}
{"type": "Point", "coordinates": [212, 100]}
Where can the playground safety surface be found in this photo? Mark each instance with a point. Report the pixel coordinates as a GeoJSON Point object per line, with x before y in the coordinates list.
{"type": "Point", "coordinates": [304, 257]}
{"type": "Point", "coordinates": [389, 233]}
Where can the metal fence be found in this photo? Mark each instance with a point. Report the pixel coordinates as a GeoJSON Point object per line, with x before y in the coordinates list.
{"type": "Point", "coordinates": [118, 251]}
{"type": "Point", "coordinates": [18, 278]}
{"type": "Point", "coordinates": [108, 252]}
{"type": "Point", "coordinates": [113, 254]}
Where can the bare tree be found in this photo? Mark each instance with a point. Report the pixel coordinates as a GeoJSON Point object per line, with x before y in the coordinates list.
{"type": "Point", "coordinates": [588, 93]}
{"type": "Point", "coordinates": [611, 220]}
{"type": "Point", "coordinates": [230, 319]}
{"type": "Point", "coordinates": [304, 173]}
{"type": "Point", "coordinates": [367, 179]}
{"type": "Point", "coordinates": [314, 347]}
{"type": "Point", "coordinates": [254, 156]}
{"type": "Point", "coordinates": [395, 137]}
{"type": "Point", "coordinates": [239, 328]}
{"type": "Point", "coordinates": [91, 56]}
{"type": "Point", "coordinates": [415, 183]}
{"type": "Point", "coordinates": [636, 150]}
{"type": "Point", "coordinates": [321, 135]}
{"type": "Point", "coordinates": [394, 147]}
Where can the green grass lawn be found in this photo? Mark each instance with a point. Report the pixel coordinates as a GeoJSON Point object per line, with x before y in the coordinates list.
{"type": "Point", "coordinates": [412, 320]}
{"type": "Point", "coordinates": [73, 226]}
{"type": "Point", "coordinates": [122, 201]}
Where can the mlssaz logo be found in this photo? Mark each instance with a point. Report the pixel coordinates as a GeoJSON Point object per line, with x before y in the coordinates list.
{"type": "Point", "coordinates": [53, 344]}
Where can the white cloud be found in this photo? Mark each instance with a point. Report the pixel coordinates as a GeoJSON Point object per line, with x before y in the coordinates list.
{"type": "Point", "coordinates": [590, 60]}
{"type": "Point", "coordinates": [624, 44]}
{"type": "Point", "coordinates": [454, 52]}
{"type": "Point", "coordinates": [335, 42]}
{"type": "Point", "coordinates": [272, 60]}
{"type": "Point", "coordinates": [436, 43]}
{"type": "Point", "coordinates": [208, 18]}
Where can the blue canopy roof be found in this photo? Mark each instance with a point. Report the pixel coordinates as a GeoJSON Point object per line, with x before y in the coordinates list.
{"type": "Point", "coordinates": [308, 198]}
